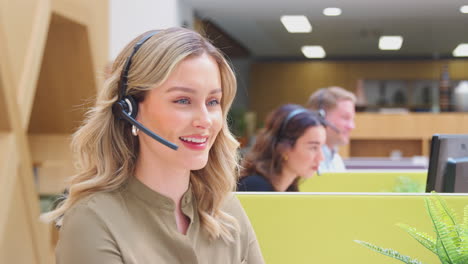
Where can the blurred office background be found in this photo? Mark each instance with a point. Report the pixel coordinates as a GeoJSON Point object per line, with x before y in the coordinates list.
{"type": "Point", "coordinates": [54, 53]}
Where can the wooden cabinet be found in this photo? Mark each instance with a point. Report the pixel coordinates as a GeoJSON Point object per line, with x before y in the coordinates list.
{"type": "Point", "coordinates": [376, 135]}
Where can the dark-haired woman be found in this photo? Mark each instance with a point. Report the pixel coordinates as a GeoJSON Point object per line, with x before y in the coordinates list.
{"type": "Point", "coordinates": [288, 148]}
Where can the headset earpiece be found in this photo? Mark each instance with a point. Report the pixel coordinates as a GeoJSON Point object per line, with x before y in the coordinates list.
{"type": "Point", "coordinates": [322, 113]}
{"type": "Point", "coordinates": [132, 106]}
{"type": "Point", "coordinates": [126, 105]}
{"type": "Point", "coordinates": [321, 109]}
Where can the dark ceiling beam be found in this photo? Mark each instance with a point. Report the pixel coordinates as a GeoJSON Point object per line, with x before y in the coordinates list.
{"type": "Point", "coordinates": [222, 40]}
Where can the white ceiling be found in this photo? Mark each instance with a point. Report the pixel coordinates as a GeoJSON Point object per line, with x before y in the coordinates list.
{"type": "Point", "coordinates": [431, 28]}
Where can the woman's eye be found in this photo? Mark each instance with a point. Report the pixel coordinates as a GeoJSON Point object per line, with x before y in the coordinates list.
{"type": "Point", "coordinates": [213, 102]}
{"type": "Point", "coordinates": [182, 101]}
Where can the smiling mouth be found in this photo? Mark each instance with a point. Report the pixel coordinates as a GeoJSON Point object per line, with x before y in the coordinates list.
{"type": "Point", "coordinates": [194, 140]}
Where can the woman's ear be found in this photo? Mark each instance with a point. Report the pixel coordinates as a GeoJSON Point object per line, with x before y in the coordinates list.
{"type": "Point", "coordinates": [285, 150]}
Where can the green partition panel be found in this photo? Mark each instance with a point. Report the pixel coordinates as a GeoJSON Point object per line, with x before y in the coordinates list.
{"type": "Point", "coordinates": [366, 182]}
{"type": "Point", "coordinates": [309, 228]}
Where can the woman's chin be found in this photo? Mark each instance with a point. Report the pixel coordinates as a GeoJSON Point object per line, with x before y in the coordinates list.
{"type": "Point", "coordinates": [309, 175]}
{"type": "Point", "coordinates": [198, 164]}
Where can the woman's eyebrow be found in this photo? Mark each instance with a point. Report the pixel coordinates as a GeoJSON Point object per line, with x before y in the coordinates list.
{"type": "Point", "coordinates": [181, 88]}
{"type": "Point", "coordinates": [216, 91]}
{"type": "Point", "coordinates": [190, 90]}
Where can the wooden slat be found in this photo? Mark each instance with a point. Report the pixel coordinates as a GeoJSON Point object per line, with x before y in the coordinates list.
{"type": "Point", "coordinates": [8, 157]}
{"type": "Point", "coordinates": [4, 120]}
{"type": "Point", "coordinates": [16, 238]}
{"type": "Point", "coordinates": [8, 165]}
{"type": "Point", "coordinates": [17, 18]}
{"type": "Point", "coordinates": [32, 61]}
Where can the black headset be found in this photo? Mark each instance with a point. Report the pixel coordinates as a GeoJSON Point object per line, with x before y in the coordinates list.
{"type": "Point", "coordinates": [126, 106]}
{"type": "Point", "coordinates": [321, 110]}
{"type": "Point", "coordinates": [321, 104]}
{"type": "Point", "coordinates": [290, 116]}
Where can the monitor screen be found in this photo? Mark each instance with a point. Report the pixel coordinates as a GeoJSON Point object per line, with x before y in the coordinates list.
{"type": "Point", "coordinates": [444, 147]}
{"type": "Point", "coordinates": [456, 175]}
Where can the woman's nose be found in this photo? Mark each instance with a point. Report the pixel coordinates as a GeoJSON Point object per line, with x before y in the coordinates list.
{"type": "Point", "coordinates": [202, 118]}
{"type": "Point", "coordinates": [320, 155]}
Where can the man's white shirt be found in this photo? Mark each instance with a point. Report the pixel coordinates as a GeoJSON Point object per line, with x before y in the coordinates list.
{"type": "Point", "coordinates": [332, 161]}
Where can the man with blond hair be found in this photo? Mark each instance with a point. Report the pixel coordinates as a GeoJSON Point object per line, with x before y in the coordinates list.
{"type": "Point", "coordinates": [337, 106]}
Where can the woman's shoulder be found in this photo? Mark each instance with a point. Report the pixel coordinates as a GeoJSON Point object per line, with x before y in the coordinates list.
{"type": "Point", "coordinates": [89, 227]}
{"type": "Point", "coordinates": [97, 207]}
{"type": "Point", "coordinates": [254, 183]}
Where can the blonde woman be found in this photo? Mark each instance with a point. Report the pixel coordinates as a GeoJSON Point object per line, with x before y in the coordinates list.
{"type": "Point", "coordinates": [136, 200]}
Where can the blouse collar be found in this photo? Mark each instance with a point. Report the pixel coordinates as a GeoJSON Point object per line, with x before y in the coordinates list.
{"type": "Point", "coordinates": [155, 199]}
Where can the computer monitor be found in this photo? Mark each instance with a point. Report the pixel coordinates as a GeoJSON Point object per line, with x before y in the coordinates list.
{"type": "Point", "coordinates": [456, 175]}
{"type": "Point", "coordinates": [444, 147]}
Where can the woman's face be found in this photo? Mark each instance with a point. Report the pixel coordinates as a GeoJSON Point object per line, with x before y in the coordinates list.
{"type": "Point", "coordinates": [304, 158]}
{"type": "Point", "coordinates": [185, 110]}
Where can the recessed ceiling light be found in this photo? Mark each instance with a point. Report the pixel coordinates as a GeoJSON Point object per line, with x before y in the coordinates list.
{"type": "Point", "coordinates": [332, 11]}
{"type": "Point", "coordinates": [296, 24]}
{"type": "Point", "coordinates": [390, 42]}
{"type": "Point", "coordinates": [461, 50]}
{"type": "Point", "coordinates": [313, 52]}
{"type": "Point", "coordinates": [464, 9]}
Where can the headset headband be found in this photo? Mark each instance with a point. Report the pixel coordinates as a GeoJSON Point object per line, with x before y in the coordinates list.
{"type": "Point", "coordinates": [126, 68]}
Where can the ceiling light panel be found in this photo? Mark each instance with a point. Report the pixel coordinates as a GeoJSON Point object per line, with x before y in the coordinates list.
{"type": "Point", "coordinates": [332, 11]}
{"type": "Point", "coordinates": [390, 42]}
{"type": "Point", "coordinates": [461, 50]}
{"type": "Point", "coordinates": [464, 9]}
{"type": "Point", "coordinates": [313, 52]}
{"type": "Point", "coordinates": [296, 24]}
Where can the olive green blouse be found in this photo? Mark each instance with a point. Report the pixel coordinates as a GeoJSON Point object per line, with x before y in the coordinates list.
{"type": "Point", "coordinates": [137, 225]}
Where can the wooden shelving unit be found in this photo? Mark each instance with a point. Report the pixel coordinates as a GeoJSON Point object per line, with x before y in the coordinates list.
{"type": "Point", "coordinates": [376, 135]}
{"type": "Point", "coordinates": [52, 58]}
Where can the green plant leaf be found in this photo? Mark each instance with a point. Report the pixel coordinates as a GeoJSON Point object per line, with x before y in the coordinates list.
{"type": "Point", "coordinates": [445, 225]}
{"type": "Point", "coordinates": [422, 238]}
{"type": "Point", "coordinates": [389, 252]}
{"type": "Point", "coordinates": [451, 243]}
{"type": "Point", "coordinates": [437, 219]}
{"type": "Point", "coordinates": [405, 184]}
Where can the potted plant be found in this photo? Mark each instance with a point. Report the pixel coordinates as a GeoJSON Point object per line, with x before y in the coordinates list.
{"type": "Point", "coordinates": [451, 242]}
{"type": "Point", "coordinates": [237, 124]}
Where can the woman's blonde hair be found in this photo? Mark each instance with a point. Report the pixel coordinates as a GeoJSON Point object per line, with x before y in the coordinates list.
{"type": "Point", "coordinates": [107, 152]}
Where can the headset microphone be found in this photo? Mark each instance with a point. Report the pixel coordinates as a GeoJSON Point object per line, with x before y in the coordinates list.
{"type": "Point", "coordinates": [334, 128]}
{"type": "Point", "coordinates": [126, 107]}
